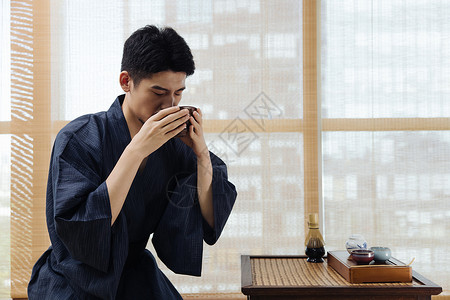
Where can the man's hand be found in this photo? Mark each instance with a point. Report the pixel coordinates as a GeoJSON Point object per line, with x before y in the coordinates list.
{"type": "Point", "coordinates": [194, 137]}
{"type": "Point", "coordinates": [158, 129]}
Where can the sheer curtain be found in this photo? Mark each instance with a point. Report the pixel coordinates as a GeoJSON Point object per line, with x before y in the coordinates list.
{"type": "Point", "coordinates": [379, 141]}
{"type": "Point", "coordinates": [248, 83]}
{"type": "Point", "coordinates": [386, 141]}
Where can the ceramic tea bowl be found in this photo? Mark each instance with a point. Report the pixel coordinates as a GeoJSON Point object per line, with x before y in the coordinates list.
{"type": "Point", "coordinates": [381, 254]}
{"type": "Point", "coordinates": [188, 123]}
{"type": "Point", "coordinates": [362, 256]}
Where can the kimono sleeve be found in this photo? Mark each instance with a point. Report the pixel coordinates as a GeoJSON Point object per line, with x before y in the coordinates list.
{"type": "Point", "coordinates": [82, 212]}
{"type": "Point", "coordinates": [178, 239]}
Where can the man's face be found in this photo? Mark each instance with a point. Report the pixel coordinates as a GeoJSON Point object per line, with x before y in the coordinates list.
{"type": "Point", "coordinates": [162, 90]}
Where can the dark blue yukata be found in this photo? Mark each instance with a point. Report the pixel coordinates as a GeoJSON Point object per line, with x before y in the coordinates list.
{"type": "Point", "coordinates": [89, 258]}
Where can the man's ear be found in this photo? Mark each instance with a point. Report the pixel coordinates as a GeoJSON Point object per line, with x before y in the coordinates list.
{"type": "Point", "coordinates": [125, 81]}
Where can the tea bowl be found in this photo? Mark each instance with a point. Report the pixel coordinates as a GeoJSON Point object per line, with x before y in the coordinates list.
{"type": "Point", "coordinates": [362, 256]}
{"type": "Point", "coordinates": [191, 109]}
{"type": "Point", "coordinates": [381, 254]}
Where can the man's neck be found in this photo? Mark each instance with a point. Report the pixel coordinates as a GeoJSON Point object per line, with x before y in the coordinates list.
{"type": "Point", "coordinates": [133, 123]}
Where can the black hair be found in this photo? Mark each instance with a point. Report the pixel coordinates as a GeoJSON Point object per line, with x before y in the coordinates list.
{"type": "Point", "coordinates": [150, 50]}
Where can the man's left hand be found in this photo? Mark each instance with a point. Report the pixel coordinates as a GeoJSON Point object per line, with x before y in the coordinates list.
{"type": "Point", "coordinates": [194, 137]}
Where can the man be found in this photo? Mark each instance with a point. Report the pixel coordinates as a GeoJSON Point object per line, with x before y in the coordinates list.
{"type": "Point", "coordinates": [117, 177]}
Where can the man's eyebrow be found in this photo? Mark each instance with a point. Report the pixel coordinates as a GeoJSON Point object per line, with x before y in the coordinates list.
{"type": "Point", "coordinates": [157, 87]}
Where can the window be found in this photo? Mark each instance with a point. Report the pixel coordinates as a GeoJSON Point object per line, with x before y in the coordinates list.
{"type": "Point", "coordinates": [366, 142]}
{"type": "Point", "coordinates": [385, 80]}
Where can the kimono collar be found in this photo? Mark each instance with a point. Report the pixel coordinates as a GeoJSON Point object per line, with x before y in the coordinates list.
{"type": "Point", "coordinates": [117, 123]}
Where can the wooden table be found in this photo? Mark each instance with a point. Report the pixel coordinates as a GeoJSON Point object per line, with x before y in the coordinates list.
{"type": "Point", "coordinates": [291, 277]}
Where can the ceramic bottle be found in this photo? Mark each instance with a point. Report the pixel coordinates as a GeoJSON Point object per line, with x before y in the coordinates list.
{"type": "Point", "coordinates": [355, 242]}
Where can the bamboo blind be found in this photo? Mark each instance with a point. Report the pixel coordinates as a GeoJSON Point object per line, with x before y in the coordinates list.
{"type": "Point", "coordinates": [31, 129]}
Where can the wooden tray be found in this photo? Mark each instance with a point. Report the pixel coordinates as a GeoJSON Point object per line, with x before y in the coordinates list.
{"type": "Point", "coordinates": [391, 271]}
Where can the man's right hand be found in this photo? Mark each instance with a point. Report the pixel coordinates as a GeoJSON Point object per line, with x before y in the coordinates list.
{"type": "Point", "coordinates": [158, 129]}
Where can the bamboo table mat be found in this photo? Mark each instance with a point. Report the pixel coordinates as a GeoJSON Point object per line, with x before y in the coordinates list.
{"type": "Point", "coordinates": [292, 271]}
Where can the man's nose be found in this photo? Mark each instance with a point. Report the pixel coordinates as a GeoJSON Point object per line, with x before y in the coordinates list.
{"type": "Point", "coordinates": [168, 102]}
